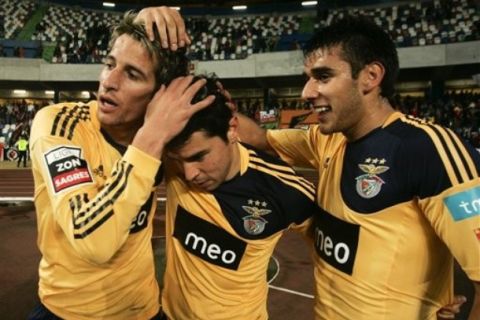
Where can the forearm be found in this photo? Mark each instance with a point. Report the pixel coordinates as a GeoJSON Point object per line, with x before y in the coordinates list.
{"type": "Point", "coordinates": [475, 311]}
{"type": "Point", "coordinates": [97, 223]}
{"type": "Point", "coordinates": [252, 134]}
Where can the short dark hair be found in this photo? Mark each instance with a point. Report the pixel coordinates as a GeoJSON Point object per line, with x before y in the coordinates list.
{"type": "Point", "coordinates": [169, 64]}
{"type": "Point", "coordinates": [213, 120]}
{"type": "Point", "coordinates": [362, 42]}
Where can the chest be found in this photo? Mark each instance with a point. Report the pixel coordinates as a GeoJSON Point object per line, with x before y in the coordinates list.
{"type": "Point", "coordinates": [365, 177]}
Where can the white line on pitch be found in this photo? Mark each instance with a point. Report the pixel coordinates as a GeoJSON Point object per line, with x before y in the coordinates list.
{"type": "Point", "coordinates": [291, 291]}
{"type": "Point", "coordinates": [278, 269]}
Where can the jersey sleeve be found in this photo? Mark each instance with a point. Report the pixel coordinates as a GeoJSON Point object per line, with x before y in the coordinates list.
{"type": "Point", "coordinates": [297, 147]}
{"type": "Point", "coordinates": [95, 219]}
{"type": "Point", "coordinates": [449, 195]}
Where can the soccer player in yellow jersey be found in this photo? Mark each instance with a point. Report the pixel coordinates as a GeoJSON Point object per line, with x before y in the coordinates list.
{"type": "Point", "coordinates": [95, 168]}
{"type": "Point", "coordinates": [400, 196]}
{"type": "Point", "coordinates": [227, 206]}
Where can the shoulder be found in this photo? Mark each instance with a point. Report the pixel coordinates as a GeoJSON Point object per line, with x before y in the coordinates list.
{"type": "Point", "coordinates": [274, 170]}
{"type": "Point", "coordinates": [434, 153]}
{"type": "Point", "coordinates": [61, 119]}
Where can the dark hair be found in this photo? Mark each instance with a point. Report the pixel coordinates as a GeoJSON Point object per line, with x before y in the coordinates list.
{"type": "Point", "coordinates": [212, 120]}
{"type": "Point", "coordinates": [169, 64]}
{"type": "Point", "coordinates": [362, 42]}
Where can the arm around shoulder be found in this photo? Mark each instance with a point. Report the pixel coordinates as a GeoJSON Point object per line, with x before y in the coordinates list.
{"type": "Point", "coordinates": [252, 134]}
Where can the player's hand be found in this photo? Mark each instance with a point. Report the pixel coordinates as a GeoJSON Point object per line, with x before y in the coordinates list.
{"type": "Point", "coordinates": [171, 107]}
{"type": "Point", "coordinates": [450, 310]}
{"type": "Point", "coordinates": [169, 23]}
{"type": "Point", "coordinates": [167, 114]}
{"type": "Point", "coordinates": [228, 97]}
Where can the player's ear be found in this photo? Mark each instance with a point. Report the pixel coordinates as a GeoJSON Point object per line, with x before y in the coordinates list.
{"type": "Point", "coordinates": [371, 76]}
{"type": "Point", "coordinates": [232, 133]}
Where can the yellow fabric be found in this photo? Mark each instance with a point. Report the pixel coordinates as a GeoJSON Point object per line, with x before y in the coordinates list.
{"type": "Point", "coordinates": [195, 288]}
{"type": "Point", "coordinates": [403, 268]}
{"type": "Point", "coordinates": [95, 236]}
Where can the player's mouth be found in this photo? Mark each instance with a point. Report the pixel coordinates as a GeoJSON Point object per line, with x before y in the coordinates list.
{"type": "Point", "coordinates": [322, 112]}
{"type": "Point", "coordinates": [107, 102]}
{"type": "Point", "coordinates": [322, 109]}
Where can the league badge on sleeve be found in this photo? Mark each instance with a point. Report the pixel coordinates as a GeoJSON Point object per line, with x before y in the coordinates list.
{"type": "Point", "coordinates": [67, 168]}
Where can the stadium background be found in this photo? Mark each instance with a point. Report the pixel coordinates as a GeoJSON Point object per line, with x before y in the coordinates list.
{"type": "Point", "coordinates": [50, 51]}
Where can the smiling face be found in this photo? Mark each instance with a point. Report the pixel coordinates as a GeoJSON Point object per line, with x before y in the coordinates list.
{"type": "Point", "coordinates": [333, 93]}
{"type": "Point", "coordinates": [206, 162]}
{"type": "Point", "coordinates": [127, 84]}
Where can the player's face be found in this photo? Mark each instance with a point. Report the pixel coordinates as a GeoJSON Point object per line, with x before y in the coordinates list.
{"type": "Point", "coordinates": [206, 162]}
{"type": "Point", "coordinates": [333, 92]}
{"type": "Point", "coordinates": [127, 82]}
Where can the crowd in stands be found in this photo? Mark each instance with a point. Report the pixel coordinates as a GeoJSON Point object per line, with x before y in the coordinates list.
{"type": "Point", "coordinates": [456, 109]}
{"type": "Point", "coordinates": [16, 118]}
{"type": "Point", "coordinates": [81, 35]}
{"type": "Point", "coordinates": [13, 16]}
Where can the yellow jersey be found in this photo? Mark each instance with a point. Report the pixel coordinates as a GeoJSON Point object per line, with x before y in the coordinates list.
{"type": "Point", "coordinates": [95, 202]}
{"type": "Point", "coordinates": [219, 243]}
{"type": "Point", "coordinates": [398, 205]}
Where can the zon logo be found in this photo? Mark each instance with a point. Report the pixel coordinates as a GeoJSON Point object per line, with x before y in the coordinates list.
{"type": "Point", "coordinates": [208, 241]}
{"type": "Point", "coordinates": [68, 165]}
{"type": "Point", "coordinates": [67, 168]}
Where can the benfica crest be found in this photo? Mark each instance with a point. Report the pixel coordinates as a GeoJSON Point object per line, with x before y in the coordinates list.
{"type": "Point", "coordinates": [370, 184]}
{"type": "Point", "coordinates": [254, 223]}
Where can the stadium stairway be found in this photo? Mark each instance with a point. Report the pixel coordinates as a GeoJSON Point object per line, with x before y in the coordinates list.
{"type": "Point", "coordinates": [29, 28]}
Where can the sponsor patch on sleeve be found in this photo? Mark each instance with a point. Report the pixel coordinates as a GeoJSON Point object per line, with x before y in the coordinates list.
{"type": "Point", "coordinates": [464, 205]}
{"type": "Point", "coordinates": [67, 168]}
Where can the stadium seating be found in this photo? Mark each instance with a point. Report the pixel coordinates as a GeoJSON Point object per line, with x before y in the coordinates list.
{"type": "Point", "coordinates": [81, 35]}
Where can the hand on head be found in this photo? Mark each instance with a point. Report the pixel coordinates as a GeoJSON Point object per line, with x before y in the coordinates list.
{"type": "Point", "coordinates": [230, 103]}
{"type": "Point", "coordinates": [169, 24]}
{"type": "Point", "coordinates": [171, 107]}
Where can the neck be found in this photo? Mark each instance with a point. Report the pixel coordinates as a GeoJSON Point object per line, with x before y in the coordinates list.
{"type": "Point", "coordinates": [375, 114]}
{"type": "Point", "coordinates": [121, 135]}
{"type": "Point", "coordinates": [235, 163]}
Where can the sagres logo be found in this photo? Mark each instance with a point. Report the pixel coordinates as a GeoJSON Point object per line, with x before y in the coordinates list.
{"type": "Point", "coordinates": [66, 167]}
{"type": "Point", "coordinates": [370, 184]}
{"type": "Point", "coordinates": [254, 223]}
{"type": "Point", "coordinates": [208, 241]}
{"type": "Point", "coordinates": [464, 205]}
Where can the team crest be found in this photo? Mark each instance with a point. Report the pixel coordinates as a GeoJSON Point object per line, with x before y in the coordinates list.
{"type": "Point", "coordinates": [254, 223]}
{"type": "Point", "coordinates": [370, 184]}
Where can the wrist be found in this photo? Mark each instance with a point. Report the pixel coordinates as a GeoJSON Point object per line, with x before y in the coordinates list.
{"type": "Point", "coordinates": [150, 144]}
